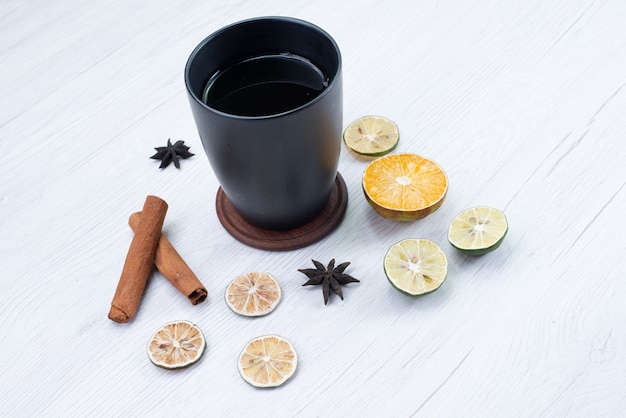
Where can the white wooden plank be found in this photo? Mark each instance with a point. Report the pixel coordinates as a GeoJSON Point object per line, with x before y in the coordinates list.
{"type": "Point", "coordinates": [523, 105]}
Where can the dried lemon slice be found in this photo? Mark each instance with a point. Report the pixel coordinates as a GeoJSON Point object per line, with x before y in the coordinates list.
{"type": "Point", "coordinates": [416, 266]}
{"type": "Point", "coordinates": [253, 294]}
{"type": "Point", "coordinates": [477, 231]}
{"type": "Point", "coordinates": [372, 136]}
{"type": "Point", "coordinates": [404, 187]}
{"type": "Point", "coordinates": [176, 344]}
{"type": "Point", "coordinates": [267, 361]}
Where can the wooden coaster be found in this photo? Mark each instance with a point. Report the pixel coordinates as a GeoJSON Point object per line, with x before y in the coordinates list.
{"type": "Point", "coordinates": [330, 217]}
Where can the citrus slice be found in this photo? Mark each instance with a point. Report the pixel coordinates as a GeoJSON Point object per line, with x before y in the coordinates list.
{"type": "Point", "coordinates": [404, 187]}
{"type": "Point", "coordinates": [253, 294]}
{"type": "Point", "coordinates": [416, 266]}
{"type": "Point", "coordinates": [478, 231]}
{"type": "Point", "coordinates": [268, 361]}
{"type": "Point", "coordinates": [176, 344]}
{"type": "Point", "coordinates": [372, 136]}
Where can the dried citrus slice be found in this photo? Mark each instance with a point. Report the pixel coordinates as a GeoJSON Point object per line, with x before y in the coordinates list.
{"type": "Point", "coordinates": [477, 231]}
{"type": "Point", "coordinates": [268, 361]}
{"type": "Point", "coordinates": [253, 294]}
{"type": "Point", "coordinates": [404, 187]}
{"type": "Point", "coordinates": [372, 136]}
{"type": "Point", "coordinates": [416, 266]}
{"type": "Point", "coordinates": [176, 344]}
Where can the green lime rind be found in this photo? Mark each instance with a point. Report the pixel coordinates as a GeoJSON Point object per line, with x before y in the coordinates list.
{"type": "Point", "coordinates": [480, 251]}
{"type": "Point", "coordinates": [375, 154]}
{"type": "Point", "coordinates": [413, 295]}
{"type": "Point", "coordinates": [360, 145]}
{"type": "Point", "coordinates": [415, 266]}
{"type": "Point", "coordinates": [478, 230]}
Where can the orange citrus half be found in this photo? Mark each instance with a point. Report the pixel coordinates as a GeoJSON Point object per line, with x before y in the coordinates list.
{"type": "Point", "coordinates": [404, 187]}
{"type": "Point", "coordinates": [268, 361]}
{"type": "Point", "coordinates": [253, 294]}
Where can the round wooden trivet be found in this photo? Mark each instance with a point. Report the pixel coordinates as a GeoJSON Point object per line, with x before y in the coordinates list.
{"type": "Point", "coordinates": [330, 217]}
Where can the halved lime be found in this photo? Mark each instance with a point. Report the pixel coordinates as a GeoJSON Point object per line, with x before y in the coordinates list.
{"type": "Point", "coordinates": [176, 344]}
{"type": "Point", "coordinates": [372, 136]}
{"type": "Point", "coordinates": [416, 266]}
{"type": "Point", "coordinates": [477, 231]}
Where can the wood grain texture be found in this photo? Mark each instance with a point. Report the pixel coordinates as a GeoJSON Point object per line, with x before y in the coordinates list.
{"type": "Point", "coordinates": [522, 103]}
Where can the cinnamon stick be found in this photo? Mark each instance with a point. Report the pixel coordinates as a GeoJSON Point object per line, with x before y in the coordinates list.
{"type": "Point", "coordinates": [173, 267]}
{"type": "Point", "coordinates": [138, 264]}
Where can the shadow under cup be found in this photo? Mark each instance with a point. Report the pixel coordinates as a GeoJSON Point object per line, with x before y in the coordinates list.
{"type": "Point", "coordinates": [266, 96]}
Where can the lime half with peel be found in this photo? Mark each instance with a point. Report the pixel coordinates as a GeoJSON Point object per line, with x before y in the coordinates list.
{"type": "Point", "coordinates": [416, 266]}
{"type": "Point", "coordinates": [372, 136]}
{"type": "Point", "coordinates": [478, 230]}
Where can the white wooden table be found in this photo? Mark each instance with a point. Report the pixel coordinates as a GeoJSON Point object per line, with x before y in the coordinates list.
{"type": "Point", "coordinates": [523, 103]}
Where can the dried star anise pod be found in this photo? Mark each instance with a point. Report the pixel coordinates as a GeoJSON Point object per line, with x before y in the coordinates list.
{"type": "Point", "coordinates": [171, 153]}
{"type": "Point", "coordinates": [329, 277]}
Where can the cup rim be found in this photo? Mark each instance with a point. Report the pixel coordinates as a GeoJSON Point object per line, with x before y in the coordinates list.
{"type": "Point", "coordinates": [216, 33]}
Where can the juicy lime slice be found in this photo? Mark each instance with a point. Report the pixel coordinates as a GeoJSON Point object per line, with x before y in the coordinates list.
{"type": "Point", "coordinates": [477, 231]}
{"type": "Point", "coordinates": [176, 344]}
{"type": "Point", "coordinates": [253, 294]}
{"type": "Point", "coordinates": [268, 361]}
{"type": "Point", "coordinates": [404, 187]}
{"type": "Point", "coordinates": [372, 136]}
{"type": "Point", "coordinates": [416, 266]}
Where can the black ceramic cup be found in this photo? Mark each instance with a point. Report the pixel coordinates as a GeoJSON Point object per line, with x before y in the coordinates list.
{"type": "Point", "coordinates": [266, 96]}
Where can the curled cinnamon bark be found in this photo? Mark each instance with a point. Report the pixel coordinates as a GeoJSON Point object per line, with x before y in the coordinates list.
{"type": "Point", "coordinates": [173, 267]}
{"type": "Point", "coordinates": [139, 258]}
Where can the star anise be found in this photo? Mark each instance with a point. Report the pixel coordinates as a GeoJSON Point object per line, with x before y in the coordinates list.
{"type": "Point", "coordinates": [171, 153]}
{"type": "Point", "coordinates": [329, 277]}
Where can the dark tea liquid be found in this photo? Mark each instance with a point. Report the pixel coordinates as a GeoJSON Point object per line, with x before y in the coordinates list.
{"type": "Point", "coordinates": [264, 85]}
